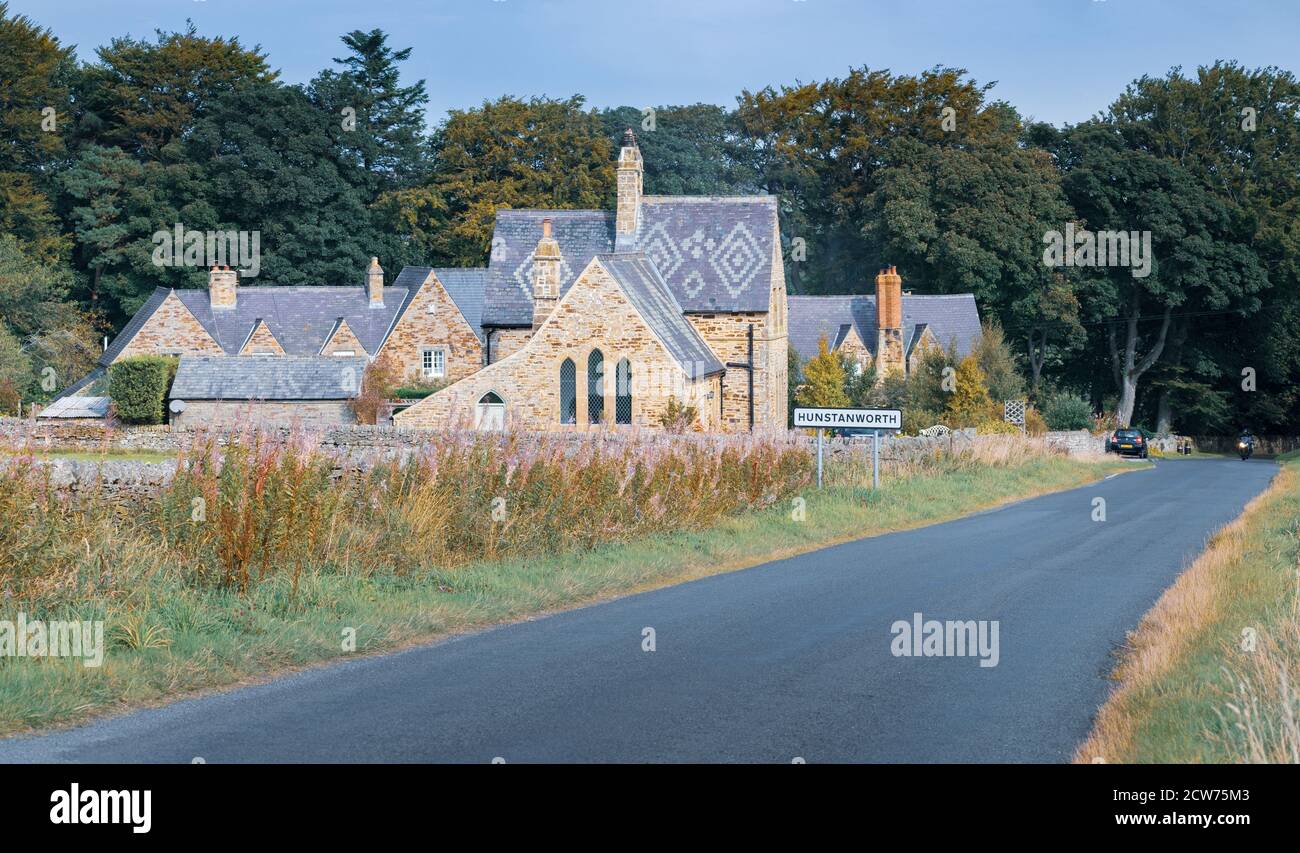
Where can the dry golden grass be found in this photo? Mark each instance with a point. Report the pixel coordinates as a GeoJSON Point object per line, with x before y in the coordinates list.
{"type": "Point", "coordinates": [1156, 665]}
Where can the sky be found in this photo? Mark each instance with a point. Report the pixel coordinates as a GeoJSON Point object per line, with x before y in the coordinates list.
{"type": "Point", "coordinates": [1055, 60]}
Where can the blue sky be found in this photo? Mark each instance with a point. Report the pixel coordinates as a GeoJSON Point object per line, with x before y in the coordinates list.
{"type": "Point", "coordinates": [1056, 60]}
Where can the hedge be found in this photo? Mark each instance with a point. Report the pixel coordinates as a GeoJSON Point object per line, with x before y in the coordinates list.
{"type": "Point", "coordinates": [139, 386]}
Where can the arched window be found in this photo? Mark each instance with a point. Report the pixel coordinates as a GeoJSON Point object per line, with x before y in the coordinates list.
{"type": "Point", "coordinates": [568, 392]}
{"type": "Point", "coordinates": [596, 387]}
{"type": "Point", "coordinates": [623, 392]}
{"type": "Point", "coordinates": [490, 412]}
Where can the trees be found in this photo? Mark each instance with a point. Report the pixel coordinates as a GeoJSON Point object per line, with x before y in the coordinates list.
{"type": "Point", "coordinates": [690, 150]}
{"type": "Point", "coordinates": [377, 123]}
{"type": "Point", "coordinates": [969, 403]}
{"type": "Point", "coordinates": [995, 360]}
{"type": "Point", "coordinates": [272, 167]}
{"type": "Point", "coordinates": [508, 153]}
{"type": "Point", "coordinates": [824, 147]}
{"type": "Point", "coordinates": [144, 96]}
{"type": "Point", "coordinates": [1192, 263]}
{"type": "Point", "coordinates": [823, 383]}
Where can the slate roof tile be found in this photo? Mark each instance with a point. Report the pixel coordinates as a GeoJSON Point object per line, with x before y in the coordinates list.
{"type": "Point", "coordinates": [267, 377]}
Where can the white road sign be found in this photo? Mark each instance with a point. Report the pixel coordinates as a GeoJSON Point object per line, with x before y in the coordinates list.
{"type": "Point", "coordinates": [849, 418]}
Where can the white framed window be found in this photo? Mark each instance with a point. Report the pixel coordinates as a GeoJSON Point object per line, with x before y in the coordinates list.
{"type": "Point", "coordinates": [344, 353]}
{"type": "Point", "coordinates": [433, 362]}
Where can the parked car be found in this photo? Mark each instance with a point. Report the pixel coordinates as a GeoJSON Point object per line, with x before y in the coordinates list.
{"type": "Point", "coordinates": [1129, 442]}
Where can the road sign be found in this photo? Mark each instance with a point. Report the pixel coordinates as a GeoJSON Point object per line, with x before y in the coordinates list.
{"type": "Point", "coordinates": [834, 418]}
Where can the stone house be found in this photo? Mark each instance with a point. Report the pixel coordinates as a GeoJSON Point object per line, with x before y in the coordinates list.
{"type": "Point", "coordinates": [581, 319]}
{"type": "Point", "coordinates": [886, 332]}
{"type": "Point", "coordinates": [595, 317]}
{"type": "Point", "coordinates": [427, 321]}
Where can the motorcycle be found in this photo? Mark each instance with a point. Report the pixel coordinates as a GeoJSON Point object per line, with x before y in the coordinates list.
{"type": "Point", "coordinates": [1245, 447]}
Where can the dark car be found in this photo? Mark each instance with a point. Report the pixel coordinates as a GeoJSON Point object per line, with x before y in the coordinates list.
{"type": "Point", "coordinates": [1129, 442]}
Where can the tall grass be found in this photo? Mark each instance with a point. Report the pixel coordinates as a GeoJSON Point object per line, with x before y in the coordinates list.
{"type": "Point", "coordinates": [259, 505]}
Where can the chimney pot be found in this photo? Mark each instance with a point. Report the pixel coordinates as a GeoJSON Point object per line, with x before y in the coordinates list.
{"type": "Point", "coordinates": [546, 229]}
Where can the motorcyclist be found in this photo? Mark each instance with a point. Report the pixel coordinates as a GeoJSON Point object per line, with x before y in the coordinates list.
{"type": "Point", "coordinates": [1245, 443]}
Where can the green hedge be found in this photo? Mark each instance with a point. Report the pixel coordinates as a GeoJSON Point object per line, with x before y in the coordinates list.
{"type": "Point", "coordinates": [139, 386]}
{"type": "Point", "coordinates": [1067, 411]}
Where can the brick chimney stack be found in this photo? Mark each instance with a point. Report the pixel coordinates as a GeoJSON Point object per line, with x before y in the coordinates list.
{"type": "Point", "coordinates": [889, 323]}
{"type": "Point", "coordinates": [546, 276]}
{"type": "Point", "coordinates": [628, 211]}
{"type": "Point", "coordinates": [223, 287]}
{"type": "Point", "coordinates": [375, 283]}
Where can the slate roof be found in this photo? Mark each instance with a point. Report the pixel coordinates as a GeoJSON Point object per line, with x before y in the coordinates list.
{"type": "Point", "coordinates": [467, 288]}
{"type": "Point", "coordinates": [301, 318]}
{"type": "Point", "coordinates": [76, 407]}
{"type": "Point", "coordinates": [949, 317]}
{"type": "Point", "coordinates": [653, 300]}
{"type": "Point", "coordinates": [582, 234]}
{"type": "Point", "coordinates": [251, 377]}
{"type": "Point", "coordinates": [714, 253]}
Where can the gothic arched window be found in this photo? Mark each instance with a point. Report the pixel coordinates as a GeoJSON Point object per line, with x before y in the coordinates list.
{"type": "Point", "coordinates": [596, 387]}
{"type": "Point", "coordinates": [568, 392]}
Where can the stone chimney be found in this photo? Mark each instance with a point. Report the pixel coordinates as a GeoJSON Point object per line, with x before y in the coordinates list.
{"type": "Point", "coordinates": [546, 276]}
{"type": "Point", "coordinates": [223, 287]}
{"type": "Point", "coordinates": [628, 212]}
{"type": "Point", "coordinates": [889, 323]}
{"type": "Point", "coordinates": [375, 283]}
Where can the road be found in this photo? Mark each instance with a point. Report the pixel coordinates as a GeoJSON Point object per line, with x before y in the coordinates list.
{"type": "Point", "coordinates": [790, 660]}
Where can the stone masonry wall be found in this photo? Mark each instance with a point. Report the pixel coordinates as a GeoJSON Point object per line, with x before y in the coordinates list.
{"type": "Point", "coordinates": [172, 328]}
{"type": "Point", "coordinates": [262, 342]}
{"type": "Point", "coordinates": [726, 336]}
{"type": "Point", "coordinates": [343, 340]}
{"type": "Point", "coordinates": [507, 342]}
{"type": "Point", "coordinates": [433, 320]}
{"type": "Point", "coordinates": [224, 414]}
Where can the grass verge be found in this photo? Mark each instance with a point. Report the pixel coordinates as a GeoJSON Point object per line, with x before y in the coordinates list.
{"type": "Point", "coordinates": [1210, 674]}
{"type": "Point", "coordinates": [177, 637]}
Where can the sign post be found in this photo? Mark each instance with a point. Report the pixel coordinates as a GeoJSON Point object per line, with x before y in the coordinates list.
{"type": "Point", "coordinates": [819, 458]}
{"type": "Point", "coordinates": [863, 419]}
{"type": "Point", "coordinates": [875, 459]}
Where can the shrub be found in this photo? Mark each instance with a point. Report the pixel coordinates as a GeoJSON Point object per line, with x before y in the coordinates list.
{"type": "Point", "coordinates": [969, 404]}
{"type": "Point", "coordinates": [678, 418]}
{"type": "Point", "coordinates": [915, 420]}
{"type": "Point", "coordinates": [418, 390]}
{"type": "Point", "coordinates": [997, 426]}
{"type": "Point", "coordinates": [1034, 423]}
{"type": "Point", "coordinates": [1067, 411]}
{"type": "Point", "coordinates": [378, 385]}
{"type": "Point", "coordinates": [10, 399]}
{"type": "Point", "coordinates": [823, 380]}
{"type": "Point", "coordinates": [139, 386]}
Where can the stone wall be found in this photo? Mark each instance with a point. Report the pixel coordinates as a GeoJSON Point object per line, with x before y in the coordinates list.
{"type": "Point", "coordinates": [433, 320]}
{"type": "Point", "coordinates": [1077, 442]}
{"type": "Point", "coordinates": [224, 414]}
{"type": "Point", "coordinates": [172, 329]}
{"type": "Point", "coordinates": [355, 437]}
{"type": "Point", "coordinates": [507, 342]}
